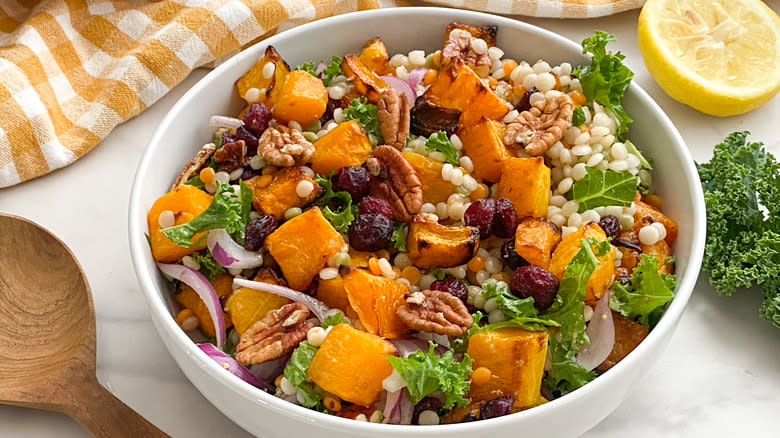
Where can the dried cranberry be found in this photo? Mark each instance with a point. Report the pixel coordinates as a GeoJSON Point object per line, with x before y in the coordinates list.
{"type": "Point", "coordinates": [370, 204]}
{"type": "Point", "coordinates": [354, 180]}
{"type": "Point", "coordinates": [426, 404]}
{"type": "Point", "coordinates": [249, 173]}
{"type": "Point", "coordinates": [370, 232]}
{"type": "Point", "coordinates": [257, 230]}
{"type": "Point", "coordinates": [329, 108]}
{"type": "Point", "coordinates": [510, 256]}
{"type": "Point", "coordinates": [256, 118]}
{"type": "Point", "coordinates": [505, 221]}
{"type": "Point", "coordinates": [525, 101]}
{"type": "Point", "coordinates": [480, 214]}
{"type": "Point", "coordinates": [241, 134]}
{"type": "Point", "coordinates": [453, 286]}
{"type": "Point", "coordinates": [610, 225]}
{"type": "Point", "coordinates": [468, 418]}
{"type": "Point", "coordinates": [498, 407]}
{"type": "Point", "coordinates": [538, 283]}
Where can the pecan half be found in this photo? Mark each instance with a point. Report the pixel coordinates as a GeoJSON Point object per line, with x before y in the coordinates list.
{"type": "Point", "coordinates": [435, 311]}
{"type": "Point", "coordinates": [231, 155]}
{"type": "Point", "coordinates": [459, 46]}
{"type": "Point", "coordinates": [402, 187]}
{"type": "Point", "coordinates": [393, 114]}
{"type": "Point", "coordinates": [284, 147]}
{"type": "Point", "coordinates": [274, 336]}
{"type": "Point", "coordinates": [195, 164]}
{"type": "Point", "coordinates": [537, 129]}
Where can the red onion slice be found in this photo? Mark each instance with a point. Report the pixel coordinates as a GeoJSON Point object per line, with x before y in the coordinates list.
{"type": "Point", "coordinates": [407, 346]}
{"type": "Point", "coordinates": [230, 364]}
{"type": "Point", "coordinates": [225, 122]}
{"type": "Point", "coordinates": [401, 86]}
{"type": "Point", "coordinates": [392, 412]}
{"type": "Point", "coordinates": [601, 331]}
{"type": "Point", "coordinates": [205, 291]}
{"type": "Point", "coordinates": [417, 75]}
{"type": "Point", "coordinates": [407, 410]}
{"type": "Point", "coordinates": [320, 68]}
{"type": "Point", "coordinates": [316, 306]}
{"type": "Point", "coordinates": [230, 254]}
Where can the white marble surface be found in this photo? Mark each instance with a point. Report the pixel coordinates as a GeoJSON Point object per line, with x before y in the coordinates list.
{"type": "Point", "coordinates": [720, 375]}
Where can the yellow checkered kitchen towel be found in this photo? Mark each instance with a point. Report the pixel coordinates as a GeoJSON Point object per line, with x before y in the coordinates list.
{"type": "Point", "coordinates": [71, 70]}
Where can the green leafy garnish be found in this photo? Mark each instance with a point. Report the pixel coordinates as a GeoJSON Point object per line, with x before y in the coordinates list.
{"type": "Point", "coordinates": [742, 193]}
{"type": "Point", "coordinates": [602, 188]}
{"type": "Point", "coordinates": [438, 273]}
{"type": "Point", "coordinates": [308, 67]}
{"type": "Point", "coordinates": [520, 312]}
{"type": "Point", "coordinates": [632, 149]}
{"type": "Point", "coordinates": [440, 142]}
{"type": "Point", "coordinates": [568, 310]}
{"type": "Point", "coordinates": [331, 320]}
{"type": "Point", "coordinates": [606, 78]}
{"type": "Point", "coordinates": [365, 114]}
{"type": "Point", "coordinates": [336, 206]}
{"type": "Point", "coordinates": [228, 210]}
{"type": "Point", "coordinates": [428, 372]}
{"type": "Point", "coordinates": [208, 266]}
{"type": "Point", "coordinates": [646, 291]}
{"type": "Point", "coordinates": [398, 238]}
{"type": "Point", "coordinates": [331, 70]}
{"type": "Point", "coordinates": [296, 371]}
{"type": "Point", "coordinates": [196, 182]}
{"type": "Point", "coordinates": [328, 73]}
{"type": "Point", "coordinates": [578, 116]}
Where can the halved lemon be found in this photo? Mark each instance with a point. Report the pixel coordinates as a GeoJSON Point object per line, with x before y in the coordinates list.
{"type": "Point", "coordinates": [721, 57]}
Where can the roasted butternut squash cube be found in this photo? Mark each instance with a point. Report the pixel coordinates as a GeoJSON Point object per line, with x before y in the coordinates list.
{"type": "Point", "coordinates": [486, 33]}
{"type": "Point", "coordinates": [646, 210]}
{"type": "Point", "coordinates": [247, 306]}
{"type": "Point", "coordinates": [351, 364]}
{"type": "Point", "coordinates": [365, 81]}
{"type": "Point", "coordinates": [628, 335]}
{"type": "Point", "coordinates": [374, 56]}
{"type": "Point", "coordinates": [535, 239]}
{"type": "Point", "coordinates": [484, 144]}
{"type": "Point", "coordinates": [515, 358]}
{"type": "Point", "coordinates": [345, 145]}
{"type": "Point", "coordinates": [281, 194]}
{"type": "Point", "coordinates": [375, 299]}
{"type": "Point", "coordinates": [301, 246]}
{"type": "Point", "coordinates": [458, 87]}
{"type": "Point", "coordinates": [303, 98]}
{"type": "Point", "coordinates": [601, 278]}
{"type": "Point", "coordinates": [359, 259]}
{"type": "Point", "coordinates": [526, 182]}
{"type": "Point", "coordinates": [332, 293]}
{"type": "Point", "coordinates": [661, 251]}
{"type": "Point", "coordinates": [435, 188]}
{"type": "Point", "coordinates": [254, 77]}
{"type": "Point", "coordinates": [432, 245]}
{"type": "Point", "coordinates": [186, 202]}
{"type": "Point", "coordinates": [189, 299]}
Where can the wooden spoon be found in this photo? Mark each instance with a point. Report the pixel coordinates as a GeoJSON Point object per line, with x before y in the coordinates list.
{"type": "Point", "coordinates": [47, 334]}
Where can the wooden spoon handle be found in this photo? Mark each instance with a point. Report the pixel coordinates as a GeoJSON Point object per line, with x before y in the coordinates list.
{"type": "Point", "coordinates": [105, 415]}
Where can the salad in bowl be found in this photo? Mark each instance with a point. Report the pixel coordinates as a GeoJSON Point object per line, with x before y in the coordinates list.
{"type": "Point", "coordinates": [419, 238]}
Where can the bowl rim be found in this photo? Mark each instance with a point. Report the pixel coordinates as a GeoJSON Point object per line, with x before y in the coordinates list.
{"type": "Point", "coordinates": [165, 321]}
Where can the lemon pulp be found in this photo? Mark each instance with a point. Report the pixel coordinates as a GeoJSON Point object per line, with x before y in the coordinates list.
{"type": "Point", "coordinates": [721, 57]}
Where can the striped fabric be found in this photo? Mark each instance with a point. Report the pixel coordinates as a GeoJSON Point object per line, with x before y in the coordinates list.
{"type": "Point", "coordinates": [71, 70]}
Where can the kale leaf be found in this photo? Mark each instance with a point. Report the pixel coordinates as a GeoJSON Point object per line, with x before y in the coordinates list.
{"type": "Point", "coordinates": [742, 194]}
{"type": "Point", "coordinates": [606, 78]}
{"type": "Point", "coordinates": [365, 114]}
{"type": "Point", "coordinates": [440, 142]}
{"type": "Point", "coordinates": [602, 188]}
{"type": "Point", "coordinates": [646, 291]}
{"type": "Point", "coordinates": [336, 206]}
{"type": "Point", "coordinates": [427, 372]}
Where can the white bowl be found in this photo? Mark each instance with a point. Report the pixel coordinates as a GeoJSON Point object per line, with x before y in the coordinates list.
{"type": "Point", "coordinates": [185, 129]}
